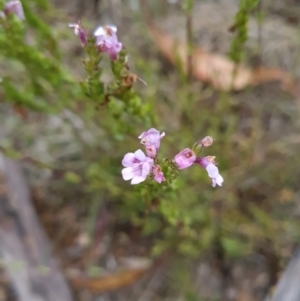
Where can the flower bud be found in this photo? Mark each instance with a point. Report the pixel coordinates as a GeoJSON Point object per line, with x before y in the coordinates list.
{"type": "Point", "coordinates": [185, 158]}
{"type": "Point", "coordinates": [151, 151]}
{"type": "Point", "coordinates": [207, 141]}
{"type": "Point", "coordinates": [14, 7]}
{"type": "Point", "coordinates": [80, 32]}
{"type": "Point", "coordinates": [158, 174]}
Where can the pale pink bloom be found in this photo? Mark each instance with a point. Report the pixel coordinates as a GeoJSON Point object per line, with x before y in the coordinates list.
{"type": "Point", "coordinates": [213, 172]}
{"type": "Point", "coordinates": [107, 41]}
{"type": "Point", "coordinates": [158, 174]}
{"type": "Point", "coordinates": [80, 32]}
{"type": "Point", "coordinates": [14, 7]}
{"type": "Point", "coordinates": [137, 167]}
{"type": "Point", "coordinates": [151, 151]}
{"type": "Point", "coordinates": [185, 158]}
{"type": "Point", "coordinates": [206, 141]}
{"type": "Point", "coordinates": [151, 137]}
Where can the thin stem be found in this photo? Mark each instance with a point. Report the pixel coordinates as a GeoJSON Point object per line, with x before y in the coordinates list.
{"type": "Point", "coordinates": [259, 20]}
{"type": "Point", "coordinates": [189, 39]}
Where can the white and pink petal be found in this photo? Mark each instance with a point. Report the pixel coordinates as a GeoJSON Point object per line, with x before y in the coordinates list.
{"type": "Point", "coordinates": [128, 160]}
{"type": "Point", "coordinates": [128, 173]}
{"type": "Point", "coordinates": [137, 180]}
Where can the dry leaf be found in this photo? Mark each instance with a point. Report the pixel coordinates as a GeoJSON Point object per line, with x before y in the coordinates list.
{"type": "Point", "coordinates": [217, 70]}
{"type": "Point", "coordinates": [108, 282]}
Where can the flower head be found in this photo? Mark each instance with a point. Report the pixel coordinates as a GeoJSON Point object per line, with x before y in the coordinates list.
{"type": "Point", "coordinates": [80, 32]}
{"type": "Point", "coordinates": [107, 41]}
{"type": "Point", "coordinates": [14, 7]}
{"type": "Point", "coordinates": [185, 158]}
{"type": "Point", "coordinates": [158, 174]}
{"type": "Point", "coordinates": [151, 137]}
{"type": "Point", "coordinates": [137, 167]}
{"type": "Point", "coordinates": [213, 172]}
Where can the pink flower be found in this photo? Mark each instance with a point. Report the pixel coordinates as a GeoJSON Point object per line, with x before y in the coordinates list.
{"type": "Point", "coordinates": [213, 172]}
{"type": "Point", "coordinates": [137, 167]}
{"type": "Point", "coordinates": [151, 137]}
{"type": "Point", "coordinates": [185, 158]}
{"type": "Point", "coordinates": [107, 41]}
{"type": "Point", "coordinates": [80, 32]}
{"type": "Point", "coordinates": [14, 7]}
{"type": "Point", "coordinates": [151, 151]}
{"type": "Point", "coordinates": [158, 174]}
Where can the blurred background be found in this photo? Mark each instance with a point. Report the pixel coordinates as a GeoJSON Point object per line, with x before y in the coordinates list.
{"type": "Point", "coordinates": [110, 240]}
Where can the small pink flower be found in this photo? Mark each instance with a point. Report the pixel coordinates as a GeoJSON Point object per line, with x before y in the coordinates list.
{"type": "Point", "coordinates": [158, 174]}
{"type": "Point", "coordinates": [14, 7]}
{"type": "Point", "coordinates": [185, 158]}
{"type": "Point", "coordinates": [213, 172]}
{"type": "Point", "coordinates": [80, 32]}
{"type": "Point", "coordinates": [151, 137]}
{"type": "Point", "coordinates": [206, 141]}
{"type": "Point", "coordinates": [107, 41]}
{"type": "Point", "coordinates": [151, 151]}
{"type": "Point", "coordinates": [137, 167]}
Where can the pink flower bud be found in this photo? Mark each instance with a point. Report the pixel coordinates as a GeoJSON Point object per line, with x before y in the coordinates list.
{"type": "Point", "coordinates": [14, 7]}
{"type": "Point", "coordinates": [207, 141]}
{"type": "Point", "coordinates": [151, 151]}
{"type": "Point", "coordinates": [80, 32]}
{"type": "Point", "coordinates": [158, 174]}
{"type": "Point", "coordinates": [185, 158]}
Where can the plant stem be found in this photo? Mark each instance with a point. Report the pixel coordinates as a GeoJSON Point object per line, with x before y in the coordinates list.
{"type": "Point", "coordinates": [189, 38]}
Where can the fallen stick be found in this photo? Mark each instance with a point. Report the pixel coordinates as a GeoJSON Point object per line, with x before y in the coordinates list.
{"type": "Point", "coordinates": [24, 247]}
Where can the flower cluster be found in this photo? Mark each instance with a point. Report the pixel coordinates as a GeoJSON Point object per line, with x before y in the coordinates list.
{"type": "Point", "coordinates": [13, 7]}
{"type": "Point", "coordinates": [139, 166]}
{"type": "Point", "coordinates": [106, 38]}
{"type": "Point", "coordinates": [188, 157]}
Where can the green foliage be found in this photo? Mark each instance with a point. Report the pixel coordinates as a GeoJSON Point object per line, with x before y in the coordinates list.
{"type": "Point", "coordinates": [40, 72]}
{"type": "Point", "coordinates": [240, 28]}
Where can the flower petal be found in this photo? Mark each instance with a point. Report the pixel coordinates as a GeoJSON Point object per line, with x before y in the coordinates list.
{"type": "Point", "coordinates": [212, 170]}
{"type": "Point", "coordinates": [118, 47]}
{"type": "Point", "coordinates": [137, 180]}
{"type": "Point", "coordinates": [142, 135]}
{"type": "Point", "coordinates": [128, 160]}
{"type": "Point", "coordinates": [219, 180]}
{"type": "Point", "coordinates": [139, 154]}
{"type": "Point", "coordinates": [146, 167]}
{"type": "Point", "coordinates": [107, 40]}
{"type": "Point", "coordinates": [15, 7]}
{"type": "Point", "coordinates": [113, 28]}
{"type": "Point", "coordinates": [159, 177]}
{"type": "Point", "coordinates": [128, 173]}
{"type": "Point", "coordinates": [99, 31]}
